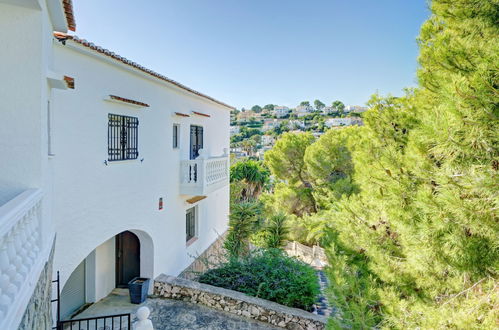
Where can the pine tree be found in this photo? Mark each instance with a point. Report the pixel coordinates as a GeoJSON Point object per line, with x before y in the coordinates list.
{"type": "Point", "coordinates": [418, 245]}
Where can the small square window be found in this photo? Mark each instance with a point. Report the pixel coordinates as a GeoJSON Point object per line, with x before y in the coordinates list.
{"type": "Point", "coordinates": [190, 224]}
{"type": "Point", "coordinates": [176, 136]}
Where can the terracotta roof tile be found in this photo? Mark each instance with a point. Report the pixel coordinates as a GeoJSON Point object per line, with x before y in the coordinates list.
{"type": "Point", "coordinates": [122, 99]}
{"type": "Point", "coordinates": [182, 114]}
{"type": "Point", "coordinates": [68, 10]}
{"type": "Point", "coordinates": [200, 114]}
{"type": "Point", "coordinates": [70, 82]}
{"type": "Point", "coordinates": [63, 37]}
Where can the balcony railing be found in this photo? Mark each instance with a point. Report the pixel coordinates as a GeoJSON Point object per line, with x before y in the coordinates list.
{"type": "Point", "coordinates": [203, 175]}
{"type": "Point", "coordinates": [21, 254]}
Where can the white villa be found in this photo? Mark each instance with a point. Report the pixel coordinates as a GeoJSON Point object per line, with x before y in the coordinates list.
{"type": "Point", "coordinates": [296, 124]}
{"type": "Point", "coordinates": [332, 122]}
{"type": "Point", "coordinates": [109, 171]}
{"type": "Point", "coordinates": [268, 140]}
{"type": "Point", "coordinates": [235, 130]}
{"type": "Point", "coordinates": [269, 124]}
{"type": "Point", "coordinates": [281, 111]}
{"type": "Point", "coordinates": [355, 108]}
{"type": "Point", "coordinates": [329, 110]}
{"type": "Point", "coordinates": [303, 110]}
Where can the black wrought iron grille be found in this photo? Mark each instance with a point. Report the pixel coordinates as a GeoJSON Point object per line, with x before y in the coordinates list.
{"type": "Point", "coordinates": [122, 137]}
{"type": "Point", "coordinates": [114, 322]}
{"type": "Point", "coordinates": [190, 223]}
{"type": "Point", "coordinates": [196, 140]}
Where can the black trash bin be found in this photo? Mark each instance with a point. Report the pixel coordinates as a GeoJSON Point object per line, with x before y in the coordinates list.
{"type": "Point", "coordinates": [138, 288]}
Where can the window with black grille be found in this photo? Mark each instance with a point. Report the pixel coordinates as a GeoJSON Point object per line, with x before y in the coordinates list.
{"type": "Point", "coordinates": [122, 137]}
{"type": "Point", "coordinates": [176, 136]}
{"type": "Point", "coordinates": [190, 224]}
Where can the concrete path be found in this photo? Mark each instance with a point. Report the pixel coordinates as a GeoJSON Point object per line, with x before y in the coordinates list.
{"type": "Point", "coordinates": [169, 314]}
{"type": "Point", "coordinates": [322, 306]}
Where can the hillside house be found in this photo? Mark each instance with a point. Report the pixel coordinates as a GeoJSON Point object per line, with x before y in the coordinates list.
{"type": "Point", "coordinates": [281, 111]}
{"type": "Point", "coordinates": [355, 109]}
{"type": "Point", "coordinates": [329, 110]}
{"type": "Point", "coordinates": [269, 124]}
{"type": "Point", "coordinates": [303, 110]}
{"type": "Point", "coordinates": [333, 122]}
{"type": "Point", "coordinates": [268, 140]}
{"type": "Point", "coordinates": [126, 167]}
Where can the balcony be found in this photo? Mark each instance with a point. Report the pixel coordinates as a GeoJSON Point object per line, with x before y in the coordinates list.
{"type": "Point", "coordinates": [200, 176]}
{"type": "Point", "coordinates": [22, 254]}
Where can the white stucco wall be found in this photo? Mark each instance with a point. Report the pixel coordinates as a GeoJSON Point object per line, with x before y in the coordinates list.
{"type": "Point", "coordinates": [22, 94]}
{"type": "Point", "coordinates": [105, 265]}
{"type": "Point", "coordinates": [26, 59]}
{"type": "Point", "coordinates": [94, 202]}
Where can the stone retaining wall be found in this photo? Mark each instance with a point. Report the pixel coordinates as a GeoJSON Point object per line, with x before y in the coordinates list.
{"type": "Point", "coordinates": [210, 258]}
{"type": "Point", "coordinates": [237, 303]}
{"type": "Point", "coordinates": [38, 313]}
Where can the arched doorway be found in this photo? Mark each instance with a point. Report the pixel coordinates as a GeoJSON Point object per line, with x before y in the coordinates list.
{"type": "Point", "coordinates": [127, 258]}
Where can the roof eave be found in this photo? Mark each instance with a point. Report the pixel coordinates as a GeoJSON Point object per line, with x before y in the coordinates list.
{"type": "Point", "coordinates": [57, 15]}
{"type": "Point", "coordinates": [119, 59]}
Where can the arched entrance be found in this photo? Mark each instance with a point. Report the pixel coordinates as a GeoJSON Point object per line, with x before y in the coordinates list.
{"type": "Point", "coordinates": [127, 258]}
{"type": "Point", "coordinates": [111, 264]}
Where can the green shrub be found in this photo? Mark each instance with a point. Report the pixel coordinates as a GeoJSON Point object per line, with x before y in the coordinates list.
{"type": "Point", "coordinates": [243, 221]}
{"type": "Point", "coordinates": [268, 274]}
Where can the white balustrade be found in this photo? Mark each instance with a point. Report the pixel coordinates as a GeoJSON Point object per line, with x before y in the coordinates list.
{"type": "Point", "coordinates": [203, 175]}
{"type": "Point", "coordinates": [20, 253]}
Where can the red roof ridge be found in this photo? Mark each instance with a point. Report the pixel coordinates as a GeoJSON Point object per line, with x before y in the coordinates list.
{"type": "Point", "coordinates": [68, 11]}
{"type": "Point", "coordinates": [63, 37]}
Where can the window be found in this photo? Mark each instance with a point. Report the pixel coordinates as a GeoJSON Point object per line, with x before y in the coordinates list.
{"type": "Point", "coordinates": [190, 224]}
{"type": "Point", "coordinates": [176, 136]}
{"type": "Point", "coordinates": [49, 131]}
{"type": "Point", "coordinates": [196, 141]}
{"type": "Point", "coordinates": [122, 137]}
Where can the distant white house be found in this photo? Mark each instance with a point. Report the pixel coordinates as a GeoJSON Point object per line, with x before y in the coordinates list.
{"type": "Point", "coordinates": [293, 124]}
{"type": "Point", "coordinates": [329, 110]}
{"type": "Point", "coordinates": [235, 130]}
{"type": "Point", "coordinates": [333, 122]}
{"type": "Point", "coordinates": [268, 140]}
{"type": "Point", "coordinates": [281, 111]}
{"type": "Point", "coordinates": [269, 124]}
{"type": "Point", "coordinates": [355, 108]}
{"type": "Point", "coordinates": [317, 134]}
{"type": "Point", "coordinates": [303, 110]}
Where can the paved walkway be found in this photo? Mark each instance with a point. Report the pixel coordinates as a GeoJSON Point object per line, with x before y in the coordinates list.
{"type": "Point", "coordinates": [169, 314]}
{"type": "Point", "coordinates": [322, 305]}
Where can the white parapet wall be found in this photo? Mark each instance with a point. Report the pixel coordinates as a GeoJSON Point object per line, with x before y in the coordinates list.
{"type": "Point", "coordinates": [23, 253]}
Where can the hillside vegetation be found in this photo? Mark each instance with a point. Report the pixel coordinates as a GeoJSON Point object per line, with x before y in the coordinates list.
{"type": "Point", "coordinates": [408, 203]}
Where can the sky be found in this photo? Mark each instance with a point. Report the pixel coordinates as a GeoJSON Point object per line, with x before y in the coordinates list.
{"type": "Point", "coordinates": [247, 52]}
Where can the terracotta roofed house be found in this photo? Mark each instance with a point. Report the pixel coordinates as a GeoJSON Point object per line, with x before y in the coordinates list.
{"type": "Point", "coordinates": [125, 166]}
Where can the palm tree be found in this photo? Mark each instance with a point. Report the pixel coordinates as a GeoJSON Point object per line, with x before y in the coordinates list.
{"type": "Point", "coordinates": [253, 175]}
{"type": "Point", "coordinates": [277, 231]}
{"type": "Point", "coordinates": [243, 221]}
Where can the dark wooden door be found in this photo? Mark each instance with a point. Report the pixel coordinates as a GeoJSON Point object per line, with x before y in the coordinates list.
{"type": "Point", "coordinates": [127, 258]}
{"type": "Point", "coordinates": [196, 141]}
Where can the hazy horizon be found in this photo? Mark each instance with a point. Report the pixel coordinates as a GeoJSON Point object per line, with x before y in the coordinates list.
{"type": "Point", "coordinates": [259, 52]}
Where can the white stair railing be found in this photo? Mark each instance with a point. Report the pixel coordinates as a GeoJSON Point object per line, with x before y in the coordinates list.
{"type": "Point", "coordinates": [20, 254]}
